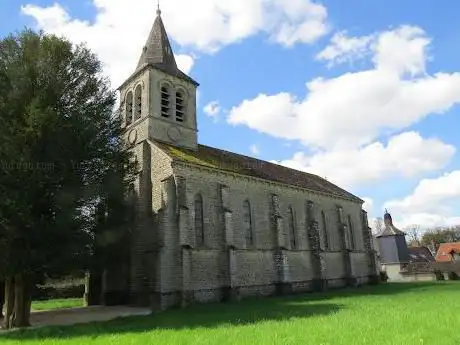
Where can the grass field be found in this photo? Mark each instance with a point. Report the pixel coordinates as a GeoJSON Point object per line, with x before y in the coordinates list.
{"type": "Point", "coordinates": [57, 304]}
{"type": "Point", "coordinates": [396, 314]}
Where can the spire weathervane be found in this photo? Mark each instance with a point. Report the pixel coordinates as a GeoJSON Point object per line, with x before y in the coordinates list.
{"type": "Point", "coordinates": [158, 8]}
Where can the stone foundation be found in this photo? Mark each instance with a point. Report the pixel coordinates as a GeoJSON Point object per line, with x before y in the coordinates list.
{"type": "Point", "coordinates": [177, 299]}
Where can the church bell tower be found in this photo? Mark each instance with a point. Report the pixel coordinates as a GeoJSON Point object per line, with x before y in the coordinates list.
{"type": "Point", "coordinates": [158, 101]}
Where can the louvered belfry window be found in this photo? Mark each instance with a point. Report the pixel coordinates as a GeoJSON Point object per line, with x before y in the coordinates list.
{"type": "Point", "coordinates": [180, 107]}
{"type": "Point", "coordinates": [165, 101]}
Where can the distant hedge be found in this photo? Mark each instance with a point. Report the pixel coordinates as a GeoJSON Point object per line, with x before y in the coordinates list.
{"type": "Point", "coordinates": [70, 288]}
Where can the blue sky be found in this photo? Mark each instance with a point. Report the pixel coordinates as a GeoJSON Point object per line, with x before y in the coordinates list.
{"type": "Point", "coordinates": [364, 93]}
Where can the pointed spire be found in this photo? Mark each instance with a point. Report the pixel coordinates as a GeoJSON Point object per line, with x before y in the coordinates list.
{"type": "Point", "coordinates": [158, 8]}
{"type": "Point", "coordinates": [390, 229]}
{"type": "Point", "coordinates": [158, 53]}
{"type": "Point", "coordinates": [157, 49]}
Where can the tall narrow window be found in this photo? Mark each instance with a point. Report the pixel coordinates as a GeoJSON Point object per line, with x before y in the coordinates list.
{"type": "Point", "coordinates": [247, 220]}
{"type": "Point", "coordinates": [199, 224]}
{"type": "Point", "coordinates": [180, 106]}
{"type": "Point", "coordinates": [138, 103]}
{"type": "Point", "coordinates": [291, 224]}
{"type": "Point", "coordinates": [351, 236]}
{"type": "Point", "coordinates": [132, 202]}
{"type": "Point", "coordinates": [129, 108]}
{"type": "Point", "coordinates": [165, 101]}
{"type": "Point", "coordinates": [324, 234]}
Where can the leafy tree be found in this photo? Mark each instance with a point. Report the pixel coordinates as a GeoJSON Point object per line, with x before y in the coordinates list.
{"type": "Point", "coordinates": [441, 235]}
{"type": "Point", "coordinates": [62, 157]}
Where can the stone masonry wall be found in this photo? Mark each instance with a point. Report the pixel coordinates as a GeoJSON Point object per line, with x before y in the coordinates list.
{"type": "Point", "coordinates": [226, 262]}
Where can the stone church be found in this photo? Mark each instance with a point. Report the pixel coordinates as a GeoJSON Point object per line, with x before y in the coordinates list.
{"type": "Point", "coordinates": [213, 225]}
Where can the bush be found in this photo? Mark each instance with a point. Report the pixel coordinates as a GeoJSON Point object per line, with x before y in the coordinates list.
{"type": "Point", "coordinates": [374, 279]}
{"type": "Point", "coordinates": [51, 292]}
{"type": "Point", "coordinates": [383, 276]}
{"type": "Point", "coordinates": [453, 276]}
{"type": "Point", "coordinates": [57, 289]}
{"type": "Point", "coordinates": [439, 275]}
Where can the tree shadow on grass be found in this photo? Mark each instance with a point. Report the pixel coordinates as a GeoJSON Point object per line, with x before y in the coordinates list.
{"type": "Point", "coordinates": [200, 316]}
{"type": "Point", "coordinates": [249, 311]}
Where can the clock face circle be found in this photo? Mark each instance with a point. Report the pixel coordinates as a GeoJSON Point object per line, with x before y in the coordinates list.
{"type": "Point", "coordinates": [132, 137]}
{"type": "Point", "coordinates": [174, 134]}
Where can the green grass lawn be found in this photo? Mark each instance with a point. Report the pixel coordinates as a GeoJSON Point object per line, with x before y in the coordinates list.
{"type": "Point", "coordinates": [399, 314]}
{"type": "Point", "coordinates": [57, 304]}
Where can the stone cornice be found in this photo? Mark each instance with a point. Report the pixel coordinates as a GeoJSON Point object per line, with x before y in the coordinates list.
{"type": "Point", "coordinates": [149, 66]}
{"type": "Point", "coordinates": [137, 122]}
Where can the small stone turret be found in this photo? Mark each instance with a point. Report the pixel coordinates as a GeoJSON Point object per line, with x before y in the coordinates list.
{"type": "Point", "coordinates": [394, 255]}
{"type": "Point", "coordinates": [392, 243]}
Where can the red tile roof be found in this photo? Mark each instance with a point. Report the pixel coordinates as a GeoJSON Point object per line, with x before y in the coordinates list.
{"type": "Point", "coordinates": [445, 250]}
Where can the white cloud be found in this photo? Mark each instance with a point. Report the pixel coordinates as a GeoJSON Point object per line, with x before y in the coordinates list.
{"type": "Point", "coordinates": [429, 193]}
{"type": "Point", "coordinates": [254, 149]}
{"type": "Point", "coordinates": [345, 49]}
{"type": "Point", "coordinates": [185, 62]}
{"type": "Point", "coordinates": [355, 108]}
{"type": "Point", "coordinates": [402, 50]}
{"type": "Point", "coordinates": [406, 155]}
{"type": "Point", "coordinates": [368, 205]}
{"type": "Point", "coordinates": [428, 203]}
{"type": "Point", "coordinates": [115, 40]}
{"type": "Point", "coordinates": [213, 109]}
{"type": "Point", "coordinates": [208, 25]}
{"type": "Point", "coordinates": [121, 27]}
{"type": "Point", "coordinates": [372, 214]}
{"type": "Point", "coordinates": [426, 221]}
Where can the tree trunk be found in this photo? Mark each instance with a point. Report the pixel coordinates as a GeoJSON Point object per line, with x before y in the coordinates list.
{"type": "Point", "coordinates": [22, 301]}
{"type": "Point", "coordinates": [9, 303]}
{"type": "Point", "coordinates": [17, 302]}
{"type": "Point", "coordinates": [2, 298]}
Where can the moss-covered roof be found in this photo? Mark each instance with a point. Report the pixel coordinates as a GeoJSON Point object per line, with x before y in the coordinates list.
{"type": "Point", "coordinates": [228, 161]}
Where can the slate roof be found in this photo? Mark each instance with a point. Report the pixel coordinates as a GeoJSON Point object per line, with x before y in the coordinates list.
{"type": "Point", "coordinates": [420, 254]}
{"type": "Point", "coordinates": [157, 53]}
{"type": "Point", "coordinates": [444, 253]}
{"type": "Point", "coordinates": [228, 161]}
{"type": "Point", "coordinates": [157, 49]}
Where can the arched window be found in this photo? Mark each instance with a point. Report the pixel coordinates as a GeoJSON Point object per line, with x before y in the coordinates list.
{"type": "Point", "coordinates": [199, 224]}
{"type": "Point", "coordinates": [291, 224]}
{"type": "Point", "coordinates": [351, 236]}
{"type": "Point", "coordinates": [180, 106]}
{"type": "Point", "coordinates": [165, 101]}
{"type": "Point", "coordinates": [247, 220]}
{"type": "Point", "coordinates": [129, 108]}
{"type": "Point", "coordinates": [324, 234]}
{"type": "Point", "coordinates": [138, 103]}
{"type": "Point", "coordinates": [132, 202]}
